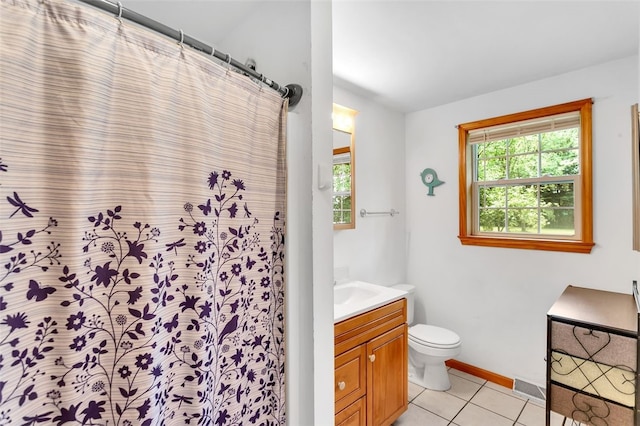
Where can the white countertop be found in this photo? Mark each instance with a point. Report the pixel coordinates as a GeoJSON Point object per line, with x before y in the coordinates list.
{"type": "Point", "coordinates": [355, 297]}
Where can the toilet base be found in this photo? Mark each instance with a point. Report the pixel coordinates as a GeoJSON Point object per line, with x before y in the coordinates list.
{"type": "Point", "coordinates": [432, 376]}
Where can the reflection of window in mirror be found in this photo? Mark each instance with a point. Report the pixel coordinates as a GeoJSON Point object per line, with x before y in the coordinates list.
{"type": "Point", "coordinates": [344, 184]}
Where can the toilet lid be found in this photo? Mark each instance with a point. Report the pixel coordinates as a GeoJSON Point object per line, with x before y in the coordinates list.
{"type": "Point", "coordinates": [430, 335]}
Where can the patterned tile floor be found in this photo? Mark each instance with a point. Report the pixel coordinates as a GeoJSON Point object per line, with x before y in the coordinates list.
{"type": "Point", "coordinates": [472, 401]}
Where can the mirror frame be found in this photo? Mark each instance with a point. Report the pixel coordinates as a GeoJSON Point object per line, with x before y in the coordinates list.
{"type": "Point", "coordinates": [635, 153]}
{"type": "Point", "coordinates": [344, 121]}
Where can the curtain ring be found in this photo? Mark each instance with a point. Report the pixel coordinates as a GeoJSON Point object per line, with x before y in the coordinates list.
{"type": "Point", "coordinates": [119, 17]}
{"type": "Point", "coordinates": [228, 61]}
{"type": "Point", "coordinates": [262, 81]}
{"type": "Point", "coordinates": [181, 39]}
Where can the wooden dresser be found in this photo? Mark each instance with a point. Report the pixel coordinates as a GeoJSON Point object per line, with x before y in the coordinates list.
{"type": "Point", "coordinates": [592, 357]}
{"type": "Point", "coordinates": [371, 356]}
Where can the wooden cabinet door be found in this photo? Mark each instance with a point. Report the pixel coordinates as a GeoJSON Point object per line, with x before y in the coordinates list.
{"type": "Point", "coordinates": [387, 376]}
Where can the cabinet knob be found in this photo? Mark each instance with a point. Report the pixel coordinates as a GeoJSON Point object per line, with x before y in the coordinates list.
{"type": "Point", "coordinates": [342, 385]}
{"type": "Point", "coordinates": [372, 358]}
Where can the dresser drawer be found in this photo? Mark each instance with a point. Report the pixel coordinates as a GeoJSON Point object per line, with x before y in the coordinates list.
{"type": "Point", "coordinates": [354, 415]}
{"type": "Point", "coordinates": [617, 384]}
{"type": "Point", "coordinates": [360, 329]}
{"type": "Point", "coordinates": [594, 345]}
{"type": "Point", "coordinates": [350, 376]}
{"type": "Point", "coordinates": [587, 409]}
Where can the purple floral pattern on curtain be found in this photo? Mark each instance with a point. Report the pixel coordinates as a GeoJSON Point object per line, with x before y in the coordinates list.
{"type": "Point", "coordinates": [137, 303]}
{"type": "Point", "coordinates": [220, 333]}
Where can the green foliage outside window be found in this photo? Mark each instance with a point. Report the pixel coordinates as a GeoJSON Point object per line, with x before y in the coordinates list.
{"type": "Point", "coordinates": [526, 184]}
{"type": "Point", "coordinates": [342, 193]}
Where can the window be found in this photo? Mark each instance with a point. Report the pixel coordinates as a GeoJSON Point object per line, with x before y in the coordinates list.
{"type": "Point", "coordinates": [525, 180]}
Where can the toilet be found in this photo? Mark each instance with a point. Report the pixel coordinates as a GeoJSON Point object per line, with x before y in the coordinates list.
{"type": "Point", "coordinates": [429, 348]}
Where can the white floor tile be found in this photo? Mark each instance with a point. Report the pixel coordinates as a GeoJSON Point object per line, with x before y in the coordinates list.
{"type": "Point", "coordinates": [539, 402]}
{"type": "Point", "coordinates": [414, 390]}
{"type": "Point", "coordinates": [532, 415]}
{"type": "Point", "coordinates": [472, 415]}
{"type": "Point", "coordinates": [441, 403]}
{"type": "Point", "coordinates": [472, 401]}
{"type": "Point", "coordinates": [463, 388]}
{"type": "Point", "coordinates": [415, 416]}
{"type": "Point", "coordinates": [467, 376]}
{"type": "Point", "coordinates": [535, 420]}
{"type": "Point", "coordinates": [498, 402]}
{"type": "Point", "coordinates": [504, 390]}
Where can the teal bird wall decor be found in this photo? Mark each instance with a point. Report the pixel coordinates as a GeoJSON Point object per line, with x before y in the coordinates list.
{"type": "Point", "coordinates": [430, 179]}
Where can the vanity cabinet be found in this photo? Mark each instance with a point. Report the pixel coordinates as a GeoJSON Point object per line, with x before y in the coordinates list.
{"type": "Point", "coordinates": [371, 356]}
{"type": "Point", "coordinates": [592, 357]}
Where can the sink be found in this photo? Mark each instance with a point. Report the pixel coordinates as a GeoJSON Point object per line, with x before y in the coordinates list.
{"type": "Point", "coordinates": [353, 292]}
{"type": "Point", "coordinates": [355, 297]}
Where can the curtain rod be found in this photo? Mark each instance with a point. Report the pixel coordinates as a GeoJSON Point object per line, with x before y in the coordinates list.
{"type": "Point", "coordinates": [293, 92]}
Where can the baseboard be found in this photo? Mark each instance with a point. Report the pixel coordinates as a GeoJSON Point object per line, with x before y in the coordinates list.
{"type": "Point", "coordinates": [481, 373]}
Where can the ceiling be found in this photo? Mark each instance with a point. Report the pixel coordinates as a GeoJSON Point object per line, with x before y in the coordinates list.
{"type": "Point", "coordinates": [206, 20]}
{"type": "Point", "coordinates": [416, 55]}
{"type": "Point", "coordinates": [413, 55]}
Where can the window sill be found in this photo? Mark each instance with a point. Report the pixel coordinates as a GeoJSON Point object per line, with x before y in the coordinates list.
{"type": "Point", "coordinates": [548, 245]}
{"type": "Point", "coordinates": [339, 226]}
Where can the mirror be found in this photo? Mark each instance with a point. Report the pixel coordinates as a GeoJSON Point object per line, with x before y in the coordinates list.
{"type": "Point", "coordinates": [344, 183]}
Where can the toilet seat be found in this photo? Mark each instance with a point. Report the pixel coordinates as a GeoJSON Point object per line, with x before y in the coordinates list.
{"type": "Point", "coordinates": [432, 336]}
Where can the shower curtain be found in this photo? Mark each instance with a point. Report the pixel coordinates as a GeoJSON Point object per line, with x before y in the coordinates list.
{"type": "Point", "coordinates": [142, 202]}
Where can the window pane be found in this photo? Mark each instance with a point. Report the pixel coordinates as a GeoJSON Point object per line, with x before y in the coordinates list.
{"type": "Point", "coordinates": [491, 149]}
{"type": "Point", "coordinates": [342, 177]}
{"type": "Point", "coordinates": [560, 163]}
{"type": "Point", "coordinates": [523, 145]}
{"type": "Point", "coordinates": [523, 203]}
{"type": "Point", "coordinates": [492, 196]}
{"type": "Point", "coordinates": [558, 222]}
{"type": "Point", "coordinates": [523, 166]}
{"type": "Point", "coordinates": [492, 169]}
{"type": "Point", "coordinates": [557, 195]}
{"type": "Point", "coordinates": [523, 196]}
{"type": "Point", "coordinates": [341, 209]}
{"type": "Point", "coordinates": [492, 220]}
{"type": "Point", "coordinates": [523, 220]}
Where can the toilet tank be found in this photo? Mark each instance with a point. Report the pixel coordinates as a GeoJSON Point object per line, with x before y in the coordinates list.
{"type": "Point", "coordinates": [410, 299]}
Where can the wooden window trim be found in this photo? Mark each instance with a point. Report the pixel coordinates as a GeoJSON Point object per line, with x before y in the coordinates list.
{"type": "Point", "coordinates": [585, 244]}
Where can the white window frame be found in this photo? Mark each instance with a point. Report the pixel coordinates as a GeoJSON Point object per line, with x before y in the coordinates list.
{"type": "Point", "coordinates": [343, 156]}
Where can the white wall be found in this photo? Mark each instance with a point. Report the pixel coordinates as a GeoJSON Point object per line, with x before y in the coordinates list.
{"type": "Point", "coordinates": [290, 42]}
{"type": "Point", "coordinates": [496, 299]}
{"type": "Point", "coordinates": [375, 250]}
{"type": "Point", "coordinates": [322, 153]}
